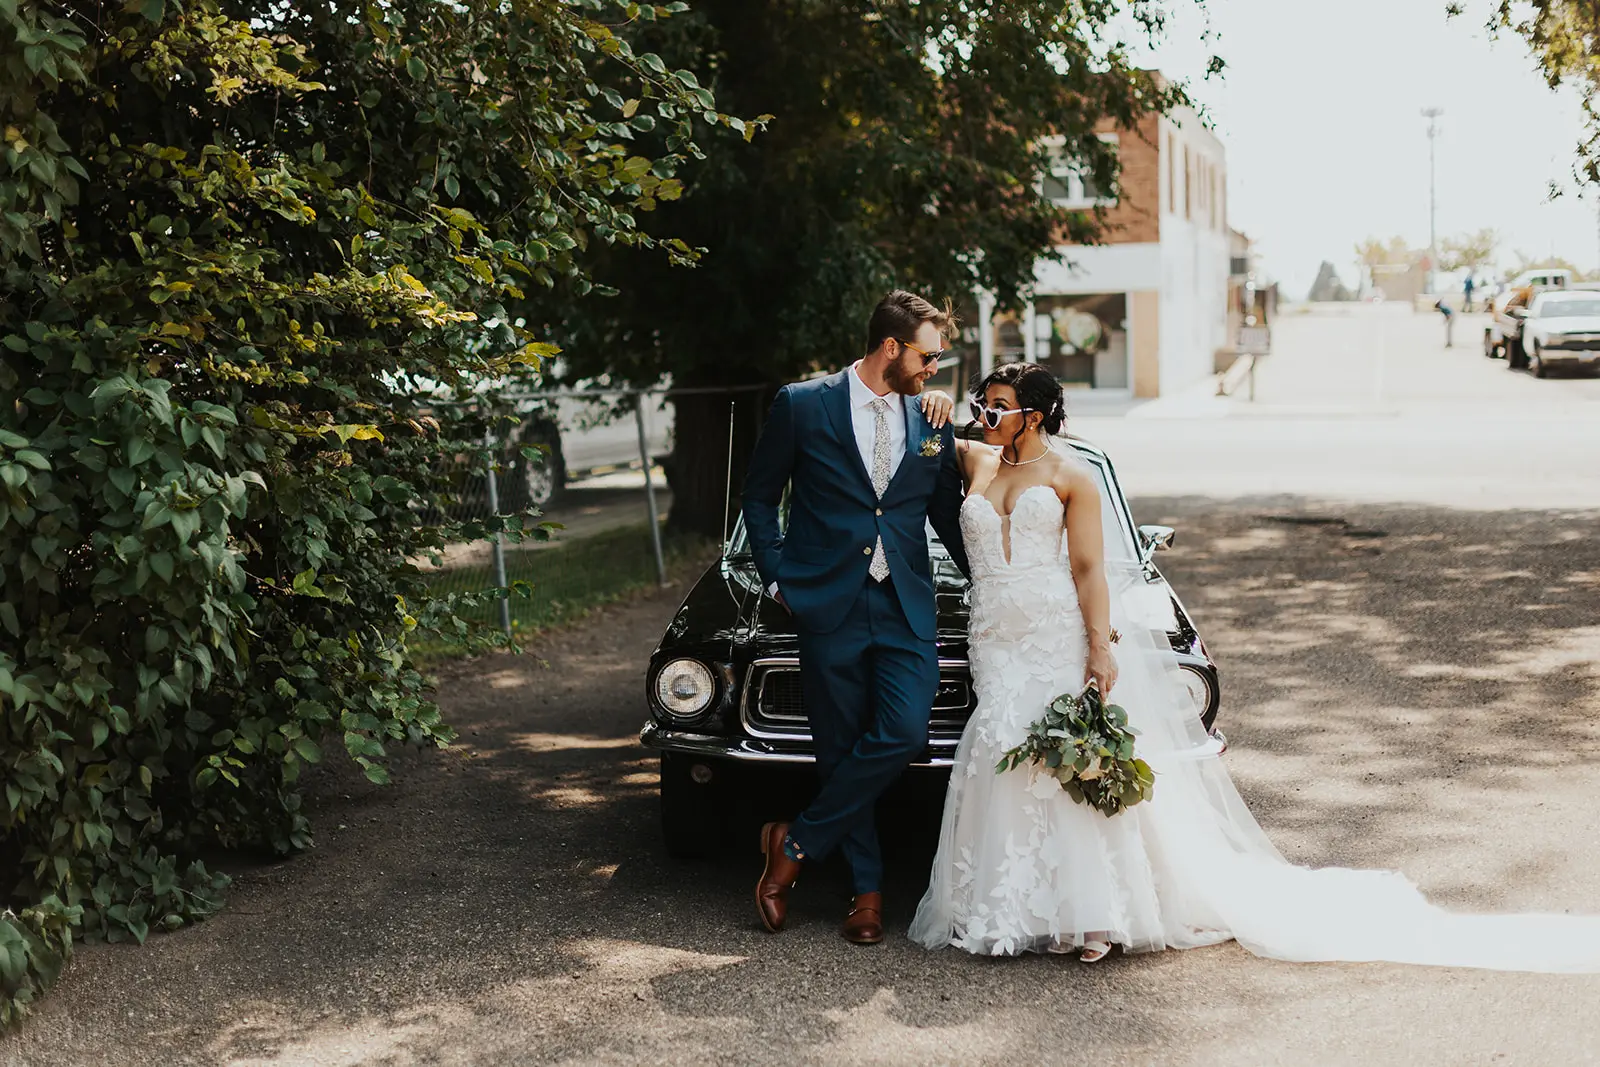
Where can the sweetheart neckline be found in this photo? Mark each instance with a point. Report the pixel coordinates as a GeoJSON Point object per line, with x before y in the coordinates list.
{"type": "Point", "coordinates": [1015, 504]}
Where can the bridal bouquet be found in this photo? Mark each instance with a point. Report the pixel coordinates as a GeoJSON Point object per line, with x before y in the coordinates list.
{"type": "Point", "coordinates": [1087, 746]}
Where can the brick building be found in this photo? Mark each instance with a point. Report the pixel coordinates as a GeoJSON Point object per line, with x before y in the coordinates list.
{"type": "Point", "coordinates": [1145, 312]}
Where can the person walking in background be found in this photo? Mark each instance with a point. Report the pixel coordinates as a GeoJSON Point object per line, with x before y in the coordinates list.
{"type": "Point", "coordinates": [1449, 320]}
{"type": "Point", "coordinates": [1466, 288]}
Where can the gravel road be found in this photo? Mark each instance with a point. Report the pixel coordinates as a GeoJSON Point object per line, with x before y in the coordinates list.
{"type": "Point", "coordinates": [1407, 687]}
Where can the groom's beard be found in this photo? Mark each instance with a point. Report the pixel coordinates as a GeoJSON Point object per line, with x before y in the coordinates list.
{"type": "Point", "coordinates": [902, 379]}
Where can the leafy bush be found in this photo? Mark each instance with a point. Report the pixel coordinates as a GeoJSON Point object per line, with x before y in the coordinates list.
{"type": "Point", "coordinates": [236, 242]}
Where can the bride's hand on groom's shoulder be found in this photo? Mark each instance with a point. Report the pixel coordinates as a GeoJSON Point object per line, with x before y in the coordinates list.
{"type": "Point", "coordinates": [936, 408]}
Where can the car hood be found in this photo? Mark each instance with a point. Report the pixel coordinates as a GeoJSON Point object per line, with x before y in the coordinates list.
{"type": "Point", "coordinates": [769, 630]}
{"type": "Point", "coordinates": [726, 611]}
{"type": "Point", "coordinates": [1574, 324]}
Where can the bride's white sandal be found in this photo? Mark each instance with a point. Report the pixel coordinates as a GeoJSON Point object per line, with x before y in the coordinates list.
{"type": "Point", "coordinates": [1094, 951]}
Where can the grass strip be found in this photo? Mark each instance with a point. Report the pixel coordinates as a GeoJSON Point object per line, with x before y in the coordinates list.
{"type": "Point", "coordinates": [567, 582]}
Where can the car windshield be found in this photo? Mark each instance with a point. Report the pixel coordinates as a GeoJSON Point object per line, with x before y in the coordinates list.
{"type": "Point", "coordinates": [1567, 309]}
{"type": "Point", "coordinates": [1120, 540]}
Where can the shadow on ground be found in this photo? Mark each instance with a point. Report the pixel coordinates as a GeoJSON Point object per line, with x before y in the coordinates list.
{"type": "Point", "coordinates": [1400, 686]}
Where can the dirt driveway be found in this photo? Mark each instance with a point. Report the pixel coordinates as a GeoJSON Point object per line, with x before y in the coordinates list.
{"type": "Point", "coordinates": [1403, 687]}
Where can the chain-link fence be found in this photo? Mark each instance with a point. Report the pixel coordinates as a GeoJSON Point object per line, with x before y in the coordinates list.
{"type": "Point", "coordinates": [589, 460]}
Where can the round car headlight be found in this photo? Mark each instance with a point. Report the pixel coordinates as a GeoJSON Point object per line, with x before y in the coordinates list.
{"type": "Point", "coordinates": [685, 687]}
{"type": "Point", "coordinates": [1199, 691]}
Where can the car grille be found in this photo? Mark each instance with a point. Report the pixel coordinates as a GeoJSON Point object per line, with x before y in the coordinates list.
{"type": "Point", "coordinates": [775, 706]}
{"type": "Point", "coordinates": [1574, 340]}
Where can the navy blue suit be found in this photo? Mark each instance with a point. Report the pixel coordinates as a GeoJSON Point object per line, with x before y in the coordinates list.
{"type": "Point", "coordinates": [868, 664]}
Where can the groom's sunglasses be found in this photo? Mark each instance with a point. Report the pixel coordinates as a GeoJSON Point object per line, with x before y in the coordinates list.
{"type": "Point", "coordinates": [989, 416]}
{"type": "Point", "coordinates": [928, 358]}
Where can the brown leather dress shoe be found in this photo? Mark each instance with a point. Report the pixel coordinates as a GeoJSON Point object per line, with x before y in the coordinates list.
{"type": "Point", "coordinates": [772, 892]}
{"type": "Point", "coordinates": [864, 924]}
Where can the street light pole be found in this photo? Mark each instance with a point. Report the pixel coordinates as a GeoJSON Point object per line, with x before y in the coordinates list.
{"type": "Point", "coordinates": [1432, 115]}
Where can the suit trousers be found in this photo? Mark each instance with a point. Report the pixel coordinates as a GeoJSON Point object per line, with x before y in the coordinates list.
{"type": "Point", "coordinates": [868, 687]}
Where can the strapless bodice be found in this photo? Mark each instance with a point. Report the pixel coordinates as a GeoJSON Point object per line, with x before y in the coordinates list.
{"type": "Point", "coordinates": [1036, 537]}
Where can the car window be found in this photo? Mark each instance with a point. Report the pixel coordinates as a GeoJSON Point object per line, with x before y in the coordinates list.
{"type": "Point", "coordinates": [1553, 309]}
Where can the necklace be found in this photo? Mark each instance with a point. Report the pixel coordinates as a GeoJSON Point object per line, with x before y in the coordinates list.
{"type": "Point", "coordinates": [1023, 462]}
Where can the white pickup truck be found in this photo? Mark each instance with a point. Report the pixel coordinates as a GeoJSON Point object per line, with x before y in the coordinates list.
{"type": "Point", "coordinates": [1562, 330]}
{"type": "Point", "coordinates": [1502, 338]}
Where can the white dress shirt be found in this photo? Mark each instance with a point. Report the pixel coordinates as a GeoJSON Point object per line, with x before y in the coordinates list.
{"type": "Point", "coordinates": [865, 421]}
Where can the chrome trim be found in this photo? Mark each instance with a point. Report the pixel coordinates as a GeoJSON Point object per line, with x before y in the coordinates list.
{"type": "Point", "coordinates": [767, 664]}
{"type": "Point", "coordinates": [723, 678]}
{"type": "Point", "coordinates": [745, 750]}
{"type": "Point", "coordinates": [1197, 667]}
{"type": "Point", "coordinates": [794, 661]}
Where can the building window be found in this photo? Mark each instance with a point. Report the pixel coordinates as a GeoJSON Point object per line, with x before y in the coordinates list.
{"type": "Point", "coordinates": [1172, 174]}
{"type": "Point", "coordinates": [1083, 339]}
{"type": "Point", "coordinates": [1188, 184]}
{"type": "Point", "coordinates": [1064, 182]}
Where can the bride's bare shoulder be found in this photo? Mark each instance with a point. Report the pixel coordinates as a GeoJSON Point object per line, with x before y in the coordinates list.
{"type": "Point", "coordinates": [975, 454]}
{"type": "Point", "coordinates": [1072, 475]}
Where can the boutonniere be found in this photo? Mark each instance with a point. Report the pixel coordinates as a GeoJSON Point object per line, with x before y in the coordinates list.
{"type": "Point", "coordinates": [931, 446]}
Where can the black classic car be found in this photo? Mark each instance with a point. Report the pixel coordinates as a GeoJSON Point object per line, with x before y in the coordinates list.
{"type": "Point", "coordinates": [723, 686]}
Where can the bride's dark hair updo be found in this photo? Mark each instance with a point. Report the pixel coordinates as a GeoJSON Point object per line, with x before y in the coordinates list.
{"type": "Point", "coordinates": [1036, 388]}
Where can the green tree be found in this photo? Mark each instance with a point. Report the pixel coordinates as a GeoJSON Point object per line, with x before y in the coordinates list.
{"type": "Point", "coordinates": [1374, 252]}
{"type": "Point", "coordinates": [1469, 251]}
{"type": "Point", "coordinates": [1524, 262]}
{"type": "Point", "coordinates": [232, 239]}
{"type": "Point", "coordinates": [1563, 36]}
{"type": "Point", "coordinates": [904, 149]}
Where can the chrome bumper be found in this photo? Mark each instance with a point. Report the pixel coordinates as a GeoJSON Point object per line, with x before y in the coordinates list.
{"type": "Point", "coordinates": [751, 750]}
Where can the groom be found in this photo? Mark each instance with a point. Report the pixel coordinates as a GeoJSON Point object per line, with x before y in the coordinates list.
{"type": "Point", "coordinates": [866, 473]}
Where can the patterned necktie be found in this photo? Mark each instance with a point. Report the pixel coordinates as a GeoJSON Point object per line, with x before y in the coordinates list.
{"type": "Point", "coordinates": [879, 568]}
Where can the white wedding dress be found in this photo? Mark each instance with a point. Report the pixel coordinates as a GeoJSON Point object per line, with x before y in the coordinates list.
{"type": "Point", "coordinates": [1021, 867]}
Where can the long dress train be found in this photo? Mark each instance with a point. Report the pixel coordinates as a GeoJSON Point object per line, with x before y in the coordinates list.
{"type": "Point", "coordinates": [1020, 867]}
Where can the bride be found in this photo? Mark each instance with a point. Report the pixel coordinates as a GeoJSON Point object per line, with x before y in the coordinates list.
{"type": "Point", "coordinates": [1021, 867]}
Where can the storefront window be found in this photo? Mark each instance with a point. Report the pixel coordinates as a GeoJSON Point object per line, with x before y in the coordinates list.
{"type": "Point", "coordinates": [1009, 344]}
{"type": "Point", "coordinates": [1083, 339]}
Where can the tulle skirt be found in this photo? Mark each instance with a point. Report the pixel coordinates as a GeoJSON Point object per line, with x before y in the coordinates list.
{"type": "Point", "coordinates": [1021, 867]}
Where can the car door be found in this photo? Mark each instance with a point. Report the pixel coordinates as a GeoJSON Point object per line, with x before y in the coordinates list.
{"type": "Point", "coordinates": [1532, 328]}
{"type": "Point", "coordinates": [1515, 310]}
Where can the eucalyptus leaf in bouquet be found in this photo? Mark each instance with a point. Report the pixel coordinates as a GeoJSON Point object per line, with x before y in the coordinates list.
{"type": "Point", "coordinates": [1087, 746]}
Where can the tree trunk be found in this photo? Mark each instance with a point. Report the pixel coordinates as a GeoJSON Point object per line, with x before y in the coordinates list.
{"type": "Point", "coordinates": [699, 468]}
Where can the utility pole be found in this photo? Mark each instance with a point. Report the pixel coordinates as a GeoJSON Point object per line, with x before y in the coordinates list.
{"type": "Point", "coordinates": [1432, 115]}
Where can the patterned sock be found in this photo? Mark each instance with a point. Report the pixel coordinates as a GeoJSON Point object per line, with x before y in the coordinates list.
{"type": "Point", "coordinates": [792, 849]}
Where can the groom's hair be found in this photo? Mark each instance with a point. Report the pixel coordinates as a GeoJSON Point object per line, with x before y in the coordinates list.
{"type": "Point", "coordinates": [899, 315]}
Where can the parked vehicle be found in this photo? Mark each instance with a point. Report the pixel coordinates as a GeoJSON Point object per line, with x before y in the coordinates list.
{"type": "Point", "coordinates": [1502, 322]}
{"type": "Point", "coordinates": [585, 438]}
{"type": "Point", "coordinates": [723, 686]}
{"type": "Point", "coordinates": [1502, 338]}
{"type": "Point", "coordinates": [1562, 328]}
{"type": "Point", "coordinates": [1542, 278]}
{"type": "Point", "coordinates": [574, 435]}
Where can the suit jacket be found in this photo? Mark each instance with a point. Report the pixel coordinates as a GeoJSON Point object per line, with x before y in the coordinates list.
{"type": "Point", "coordinates": [820, 561]}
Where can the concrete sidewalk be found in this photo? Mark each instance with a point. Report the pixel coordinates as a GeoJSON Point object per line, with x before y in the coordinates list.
{"type": "Point", "coordinates": [1368, 404]}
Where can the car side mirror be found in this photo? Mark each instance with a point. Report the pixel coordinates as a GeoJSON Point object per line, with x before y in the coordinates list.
{"type": "Point", "coordinates": [1517, 313]}
{"type": "Point", "coordinates": [1155, 539]}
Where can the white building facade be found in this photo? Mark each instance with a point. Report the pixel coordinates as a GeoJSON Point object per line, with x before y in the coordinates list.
{"type": "Point", "coordinates": [1145, 313]}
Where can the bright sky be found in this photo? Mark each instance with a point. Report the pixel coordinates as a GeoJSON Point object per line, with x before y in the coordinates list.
{"type": "Point", "coordinates": [1319, 110]}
